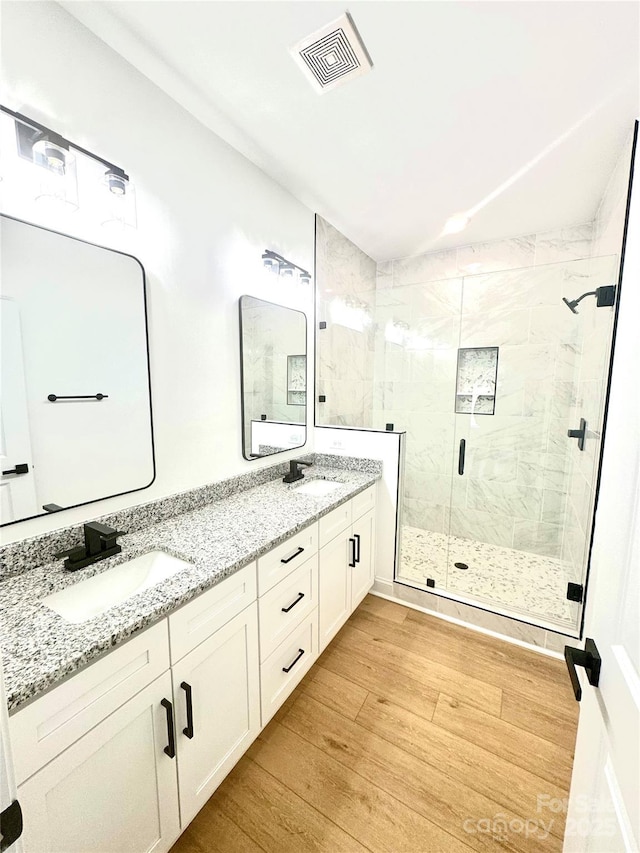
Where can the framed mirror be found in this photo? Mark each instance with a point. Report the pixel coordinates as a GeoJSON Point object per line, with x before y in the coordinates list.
{"type": "Point", "coordinates": [273, 371]}
{"type": "Point", "coordinates": [75, 409]}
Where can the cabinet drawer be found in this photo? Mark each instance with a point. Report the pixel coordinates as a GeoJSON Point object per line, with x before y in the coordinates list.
{"type": "Point", "coordinates": [363, 502]}
{"type": "Point", "coordinates": [286, 605]}
{"type": "Point", "coordinates": [296, 654]}
{"type": "Point", "coordinates": [334, 523]}
{"type": "Point", "coordinates": [286, 557]}
{"type": "Point", "coordinates": [198, 619]}
{"type": "Point", "coordinates": [42, 730]}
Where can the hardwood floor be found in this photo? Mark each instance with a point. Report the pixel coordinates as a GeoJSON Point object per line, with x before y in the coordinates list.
{"type": "Point", "coordinates": [409, 735]}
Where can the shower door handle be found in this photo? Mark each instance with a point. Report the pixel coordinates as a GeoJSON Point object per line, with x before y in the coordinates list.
{"type": "Point", "coordinates": [463, 444]}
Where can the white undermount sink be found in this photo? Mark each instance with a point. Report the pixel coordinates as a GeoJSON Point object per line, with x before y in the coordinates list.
{"type": "Point", "coordinates": [94, 596]}
{"type": "Point", "coordinates": [318, 488]}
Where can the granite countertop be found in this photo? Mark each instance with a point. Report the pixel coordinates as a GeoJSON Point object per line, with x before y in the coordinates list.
{"type": "Point", "coordinates": [39, 648]}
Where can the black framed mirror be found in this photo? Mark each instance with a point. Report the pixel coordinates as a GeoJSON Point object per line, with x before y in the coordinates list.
{"type": "Point", "coordinates": [273, 374]}
{"type": "Point", "coordinates": [75, 412]}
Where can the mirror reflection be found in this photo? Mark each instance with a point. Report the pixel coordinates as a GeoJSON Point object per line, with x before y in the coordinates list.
{"type": "Point", "coordinates": [273, 344]}
{"type": "Point", "coordinates": [75, 409]}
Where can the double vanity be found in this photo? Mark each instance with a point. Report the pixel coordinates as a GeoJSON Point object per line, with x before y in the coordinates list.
{"type": "Point", "coordinates": [138, 683]}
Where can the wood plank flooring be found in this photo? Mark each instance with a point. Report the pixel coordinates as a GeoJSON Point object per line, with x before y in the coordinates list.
{"type": "Point", "coordinates": [409, 735]}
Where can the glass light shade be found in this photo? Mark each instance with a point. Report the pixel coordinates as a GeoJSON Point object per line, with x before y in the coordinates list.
{"type": "Point", "coordinates": [118, 201]}
{"type": "Point", "coordinates": [55, 178]}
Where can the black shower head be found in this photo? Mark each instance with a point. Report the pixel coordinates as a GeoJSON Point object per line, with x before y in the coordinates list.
{"type": "Point", "coordinates": [571, 305]}
{"type": "Point", "coordinates": [605, 297]}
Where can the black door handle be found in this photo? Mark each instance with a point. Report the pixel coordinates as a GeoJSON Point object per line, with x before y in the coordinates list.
{"type": "Point", "coordinates": [294, 661]}
{"type": "Point", "coordinates": [11, 822]}
{"type": "Point", "coordinates": [293, 603]}
{"type": "Point", "coordinates": [295, 554]}
{"type": "Point", "coordinates": [170, 748]}
{"type": "Point", "coordinates": [580, 434]}
{"type": "Point", "coordinates": [21, 468]}
{"type": "Point", "coordinates": [188, 729]}
{"type": "Point", "coordinates": [589, 658]}
{"type": "Point", "coordinates": [463, 445]}
{"type": "Point", "coordinates": [356, 536]}
{"type": "Point", "coordinates": [352, 559]}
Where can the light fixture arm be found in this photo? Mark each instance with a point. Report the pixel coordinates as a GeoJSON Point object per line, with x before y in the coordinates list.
{"type": "Point", "coordinates": [62, 142]}
{"type": "Point", "coordinates": [284, 263]}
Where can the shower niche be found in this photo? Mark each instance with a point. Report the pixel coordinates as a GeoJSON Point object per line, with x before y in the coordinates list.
{"type": "Point", "coordinates": [476, 381]}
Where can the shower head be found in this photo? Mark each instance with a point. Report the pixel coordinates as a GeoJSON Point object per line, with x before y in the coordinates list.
{"type": "Point", "coordinates": [605, 298]}
{"type": "Point", "coordinates": [571, 305]}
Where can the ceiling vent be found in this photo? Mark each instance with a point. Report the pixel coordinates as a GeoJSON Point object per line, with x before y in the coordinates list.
{"type": "Point", "coordinates": [333, 55]}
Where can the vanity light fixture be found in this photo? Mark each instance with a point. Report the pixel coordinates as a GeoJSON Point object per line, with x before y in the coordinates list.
{"type": "Point", "coordinates": [51, 151]}
{"type": "Point", "coordinates": [276, 263]}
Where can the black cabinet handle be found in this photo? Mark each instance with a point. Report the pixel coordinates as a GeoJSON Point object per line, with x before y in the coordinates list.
{"type": "Point", "coordinates": [356, 536]}
{"type": "Point", "coordinates": [188, 730]}
{"type": "Point", "coordinates": [589, 658]}
{"type": "Point", "coordinates": [294, 661]}
{"type": "Point", "coordinates": [296, 554]}
{"type": "Point", "coordinates": [463, 445]}
{"type": "Point", "coordinates": [352, 558]}
{"type": "Point", "coordinates": [170, 749]}
{"type": "Point", "coordinates": [21, 468]}
{"type": "Point", "coordinates": [293, 604]}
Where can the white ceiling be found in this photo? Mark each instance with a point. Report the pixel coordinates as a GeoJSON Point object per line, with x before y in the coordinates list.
{"type": "Point", "coordinates": [463, 97]}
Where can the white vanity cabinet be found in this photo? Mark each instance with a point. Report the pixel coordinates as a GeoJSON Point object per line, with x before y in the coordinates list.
{"type": "Point", "coordinates": [113, 789]}
{"type": "Point", "coordinates": [122, 755]}
{"type": "Point", "coordinates": [105, 762]}
{"type": "Point", "coordinates": [216, 697]}
{"type": "Point", "coordinates": [347, 538]}
{"type": "Point", "coordinates": [288, 608]}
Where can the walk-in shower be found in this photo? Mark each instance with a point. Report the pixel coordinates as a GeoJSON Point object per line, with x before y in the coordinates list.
{"type": "Point", "coordinates": [490, 377]}
{"type": "Point", "coordinates": [489, 380]}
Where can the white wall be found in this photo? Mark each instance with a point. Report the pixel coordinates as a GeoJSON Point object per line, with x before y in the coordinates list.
{"type": "Point", "coordinates": [204, 216]}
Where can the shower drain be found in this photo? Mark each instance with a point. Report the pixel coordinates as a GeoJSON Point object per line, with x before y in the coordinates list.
{"type": "Point", "coordinates": [461, 565]}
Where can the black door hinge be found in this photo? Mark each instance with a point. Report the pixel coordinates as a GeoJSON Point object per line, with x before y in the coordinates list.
{"type": "Point", "coordinates": [575, 592]}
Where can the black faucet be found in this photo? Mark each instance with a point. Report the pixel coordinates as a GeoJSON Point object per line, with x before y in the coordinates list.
{"type": "Point", "coordinates": [100, 542]}
{"type": "Point", "coordinates": [294, 472]}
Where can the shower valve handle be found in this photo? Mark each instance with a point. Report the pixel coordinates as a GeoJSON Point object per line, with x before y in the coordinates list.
{"type": "Point", "coordinates": [580, 434]}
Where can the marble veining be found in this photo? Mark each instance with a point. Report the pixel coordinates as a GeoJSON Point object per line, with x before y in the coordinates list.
{"type": "Point", "coordinates": [39, 648]}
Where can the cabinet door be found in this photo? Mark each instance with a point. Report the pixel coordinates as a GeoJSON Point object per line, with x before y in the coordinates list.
{"type": "Point", "coordinates": [335, 586]}
{"type": "Point", "coordinates": [114, 789]}
{"type": "Point", "coordinates": [363, 531]}
{"type": "Point", "coordinates": [220, 679]}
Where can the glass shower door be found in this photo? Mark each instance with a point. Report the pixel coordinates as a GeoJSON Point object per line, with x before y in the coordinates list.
{"type": "Point", "coordinates": [520, 387]}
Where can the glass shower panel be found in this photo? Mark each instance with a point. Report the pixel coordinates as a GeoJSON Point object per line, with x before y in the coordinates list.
{"type": "Point", "coordinates": [510, 503]}
{"type": "Point", "coordinates": [417, 338]}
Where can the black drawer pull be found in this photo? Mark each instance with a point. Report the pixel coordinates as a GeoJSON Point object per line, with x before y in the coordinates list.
{"type": "Point", "coordinates": [463, 445]}
{"type": "Point", "coordinates": [296, 554]}
{"type": "Point", "coordinates": [589, 658]}
{"type": "Point", "coordinates": [188, 729]}
{"type": "Point", "coordinates": [352, 558]}
{"type": "Point", "coordinates": [170, 749]}
{"type": "Point", "coordinates": [356, 536]}
{"type": "Point", "coordinates": [294, 661]}
{"type": "Point", "coordinates": [293, 604]}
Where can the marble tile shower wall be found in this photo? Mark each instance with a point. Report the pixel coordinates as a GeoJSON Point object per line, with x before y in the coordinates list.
{"type": "Point", "coordinates": [346, 291]}
{"type": "Point", "coordinates": [505, 294]}
{"type": "Point", "coordinates": [592, 368]}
